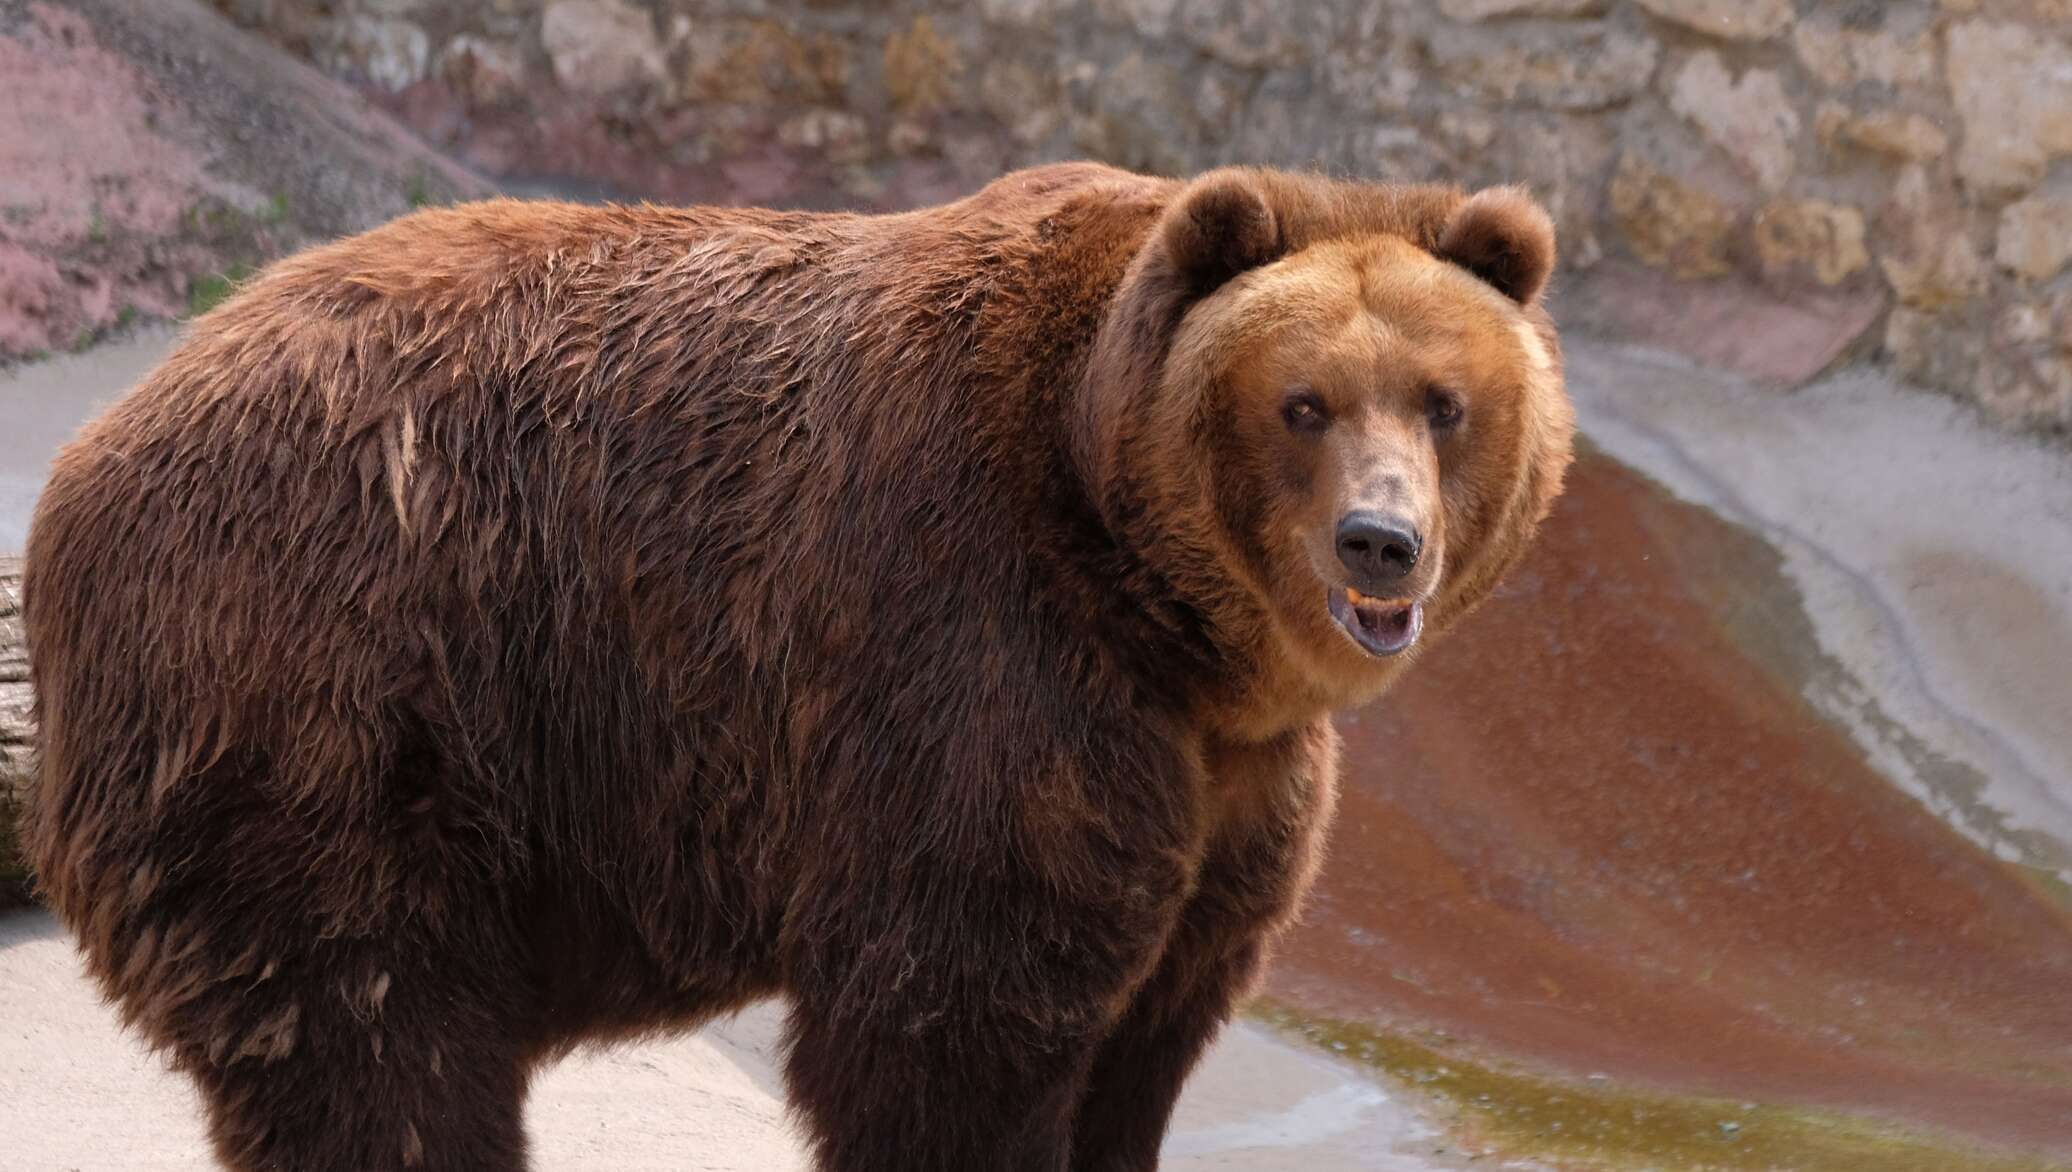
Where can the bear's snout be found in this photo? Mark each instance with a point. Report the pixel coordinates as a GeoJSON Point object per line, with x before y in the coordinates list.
{"type": "Point", "coordinates": [1379, 551]}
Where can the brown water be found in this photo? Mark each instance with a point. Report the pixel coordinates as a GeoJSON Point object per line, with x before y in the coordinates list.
{"type": "Point", "coordinates": [1599, 831]}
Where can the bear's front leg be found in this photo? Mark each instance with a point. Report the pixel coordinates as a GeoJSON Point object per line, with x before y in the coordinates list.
{"type": "Point", "coordinates": [1274, 803]}
{"type": "Point", "coordinates": [952, 979]}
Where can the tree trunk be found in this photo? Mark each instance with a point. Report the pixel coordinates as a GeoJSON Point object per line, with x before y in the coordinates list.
{"type": "Point", "coordinates": [15, 762]}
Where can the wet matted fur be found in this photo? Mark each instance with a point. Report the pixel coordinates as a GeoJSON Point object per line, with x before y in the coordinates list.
{"type": "Point", "coordinates": [529, 624]}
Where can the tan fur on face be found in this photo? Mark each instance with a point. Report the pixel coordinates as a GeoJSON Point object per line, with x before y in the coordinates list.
{"type": "Point", "coordinates": [1372, 324]}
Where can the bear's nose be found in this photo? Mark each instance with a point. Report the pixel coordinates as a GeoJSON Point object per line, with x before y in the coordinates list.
{"type": "Point", "coordinates": [1378, 550]}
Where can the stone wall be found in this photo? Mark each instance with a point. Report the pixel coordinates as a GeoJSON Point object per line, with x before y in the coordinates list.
{"type": "Point", "coordinates": [1769, 185]}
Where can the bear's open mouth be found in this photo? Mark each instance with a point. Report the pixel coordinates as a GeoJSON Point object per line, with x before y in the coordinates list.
{"type": "Point", "coordinates": [1381, 626]}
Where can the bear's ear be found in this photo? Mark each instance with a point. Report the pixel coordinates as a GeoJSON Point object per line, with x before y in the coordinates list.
{"type": "Point", "coordinates": [1220, 226]}
{"type": "Point", "coordinates": [1502, 235]}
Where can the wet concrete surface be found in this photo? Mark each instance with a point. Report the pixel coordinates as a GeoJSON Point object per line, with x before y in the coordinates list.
{"type": "Point", "coordinates": [1733, 833]}
{"type": "Point", "coordinates": [43, 403]}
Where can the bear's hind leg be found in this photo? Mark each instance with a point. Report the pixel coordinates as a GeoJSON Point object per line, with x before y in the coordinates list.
{"type": "Point", "coordinates": [351, 1066]}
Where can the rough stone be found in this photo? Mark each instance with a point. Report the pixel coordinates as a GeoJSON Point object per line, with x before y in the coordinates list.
{"type": "Point", "coordinates": [1930, 259]}
{"type": "Point", "coordinates": [2035, 238]}
{"type": "Point", "coordinates": [1564, 159]}
{"type": "Point", "coordinates": [1665, 133]}
{"type": "Point", "coordinates": [911, 136]}
{"type": "Point", "coordinates": [761, 62]}
{"type": "Point", "coordinates": [1137, 114]}
{"type": "Point", "coordinates": [2013, 88]}
{"type": "Point", "coordinates": [1669, 224]}
{"type": "Point", "coordinates": [393, 54]}
{"type": "Point", "coordinates": [1250, 34]}
{"type": "Point", "coordinates": [1586, 65]}
{"type": "Point", "coordinates": [32, 301]}
{"type": "Point", "coordinates": [1219, 99]}
{"type": "Point", "coordinates": [1751, 119]}
{"type": "Point", "coordinates": [2026, 377]}
{"type": "Point", "coordinates": [1153, 19]}
{"type": "Point", "coordinates": [1468, 130]}
{"type": "Point", "coordinates": [1480, 10]}
{"type": "Point", "coordinates": [921, 68]}
{"type": "Point", "coordinates": [601, 46]}
{"type": "Point", "coordinates": [1375, 63]}
{"type": "Point", "coordinates": [1021, 99]}
{"type": "Point", "coordinates": [1734, 20]}
{"type": "Point", "coordinates": [1929, 347]}
{"type": "Point", "coordinates": [1783, 339]}
{"type": "Point", "coordinates": [1811, 235]}
{"type": "Point", "coordinates": [2036, 10]}
{"type": "Point", "coordinates": [1037, 13]}
{"type": "Point", "coordinates": [1397, 154]}
{"type": "Point", "coordinates": [1838, 55]}
{"type": "Point", "coordinates": [484, 73]}
{"type": "Point", "coordinates": [1887, 132]}
{"type": "Point", "coordinates": [837, 135]}
{"type": "Point", "coordinates": [1283, 126]}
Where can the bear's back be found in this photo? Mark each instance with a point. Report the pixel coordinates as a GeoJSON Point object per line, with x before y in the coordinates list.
{"type": "Point", "coordinates": [579, 481]}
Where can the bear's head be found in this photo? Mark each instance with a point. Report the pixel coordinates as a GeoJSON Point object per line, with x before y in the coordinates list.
{"type": "Point", "coordinates": [1332, 415]}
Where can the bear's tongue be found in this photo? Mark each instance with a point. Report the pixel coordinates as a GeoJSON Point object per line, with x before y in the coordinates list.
{"type": "Point", "coordinates": [1380, 626]}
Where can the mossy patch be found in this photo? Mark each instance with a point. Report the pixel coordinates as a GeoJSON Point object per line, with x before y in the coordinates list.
{"type": "Point", "coordinates": [206, 293]}
{"type": "Point", "coordinates": [1590, 1127]}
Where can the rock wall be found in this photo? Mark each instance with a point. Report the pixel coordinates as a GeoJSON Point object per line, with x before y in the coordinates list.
{"type": "Point", "coordinates": [1769, 185]}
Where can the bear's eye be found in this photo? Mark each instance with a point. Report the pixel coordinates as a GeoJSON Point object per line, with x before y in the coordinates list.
{"type": "Point", "coordinates": [1443, 408]}
{"type": "Point", "coordinates": [1304, 410]}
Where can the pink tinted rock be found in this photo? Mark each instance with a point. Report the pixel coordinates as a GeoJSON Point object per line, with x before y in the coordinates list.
{"type": "Point", "coordinates": [30, 286]}
{"type": "Point", "coordinates": [141, 148]}
{"type": "Point", "coordinates": [1778, 339]}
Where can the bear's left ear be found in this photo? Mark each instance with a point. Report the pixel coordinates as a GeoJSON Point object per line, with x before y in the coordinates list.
{"type": "Point", "coordinates": [1220, 225]}
{"type": "Point", "coordinates": [1502, 235]}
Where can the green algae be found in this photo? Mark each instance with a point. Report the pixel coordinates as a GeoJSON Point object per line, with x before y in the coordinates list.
{"type": "Point", "coordinates": [1599, 1127]}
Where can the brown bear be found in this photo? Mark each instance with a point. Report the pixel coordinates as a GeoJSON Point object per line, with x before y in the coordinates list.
{"type": "Point", "coordinates": [528, 625]}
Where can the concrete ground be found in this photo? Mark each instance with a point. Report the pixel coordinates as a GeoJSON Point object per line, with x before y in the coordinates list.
{"type": "Point", "coordinates": [45, 402]}
{"type": "Point", "coordinates": [82, 1096]}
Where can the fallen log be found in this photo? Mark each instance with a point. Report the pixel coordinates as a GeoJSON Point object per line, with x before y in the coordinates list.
{"type": "Point", "coordinates": [15, 759]}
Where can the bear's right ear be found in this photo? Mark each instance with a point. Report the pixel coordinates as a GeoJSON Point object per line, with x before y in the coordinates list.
{"type": "Point", "coordinates": [1220, 226]}
{"type": "Point", "coordinates": [1502, 235]}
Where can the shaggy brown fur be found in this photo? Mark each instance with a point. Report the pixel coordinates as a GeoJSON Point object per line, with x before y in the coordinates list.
{"type": "Point", "coordinates": [528, 625]}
